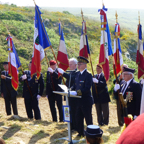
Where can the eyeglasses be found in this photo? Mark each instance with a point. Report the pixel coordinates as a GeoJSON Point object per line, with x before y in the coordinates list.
{"type": "Point", "coordinates": [80, 63]}
{"type": "Point", "coordinates": [126, 74]}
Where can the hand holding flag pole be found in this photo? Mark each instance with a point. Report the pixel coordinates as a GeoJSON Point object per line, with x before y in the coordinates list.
{"type": "Point", "coordinates": [88, 50]}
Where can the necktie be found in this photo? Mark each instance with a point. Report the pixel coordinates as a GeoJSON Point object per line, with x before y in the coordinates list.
{"type": "Point", "coordinates": [123, 88]}
{"type": "Point", "coordinates": [97, 76]}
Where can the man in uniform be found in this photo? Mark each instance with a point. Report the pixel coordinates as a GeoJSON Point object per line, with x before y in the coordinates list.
{"type": "Point", "coordinates": [131, 91]}
{"type": "Point", "coordinates": [101, 98]}
{"type": "Point", "coordinates": [72, 101]}
{"type": "Point", "coordinates": [31, 93]}
{"type": "Point", "coordinates": [53, 79]}
{"type": "Point", "coordinates": [81, 87]}
{"type": "Point", "coordinates": [8, 92]}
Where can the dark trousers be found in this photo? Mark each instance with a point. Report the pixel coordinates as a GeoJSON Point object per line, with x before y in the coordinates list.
{"type": "Point", "coordinates": [9, 100]}
{"type": "Point", "coordinates": [72, 104]}
{"type": "Point", "coordinates": [32, 105]}
{"type": "Point", "coordinates": [81, 113]}
{"type": "Point", "coordinates": [120, 113]}
{"type": "Point", "coordinates": [58, 99]}
{"type": "Point", "coordinates": [102, 110]}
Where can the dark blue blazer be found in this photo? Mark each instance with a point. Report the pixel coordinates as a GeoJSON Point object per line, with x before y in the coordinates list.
{"type": "Point", "coordinates": [36, 86]}
{"type": "Point", "coordinates": [83, 82]}
{"type": "Point", "coordinates": [6, 87]}
{"type": "Point", "coordinates": [52, 82]}
{"type": "Point", "coordinates": [133, 107]}
{"type": "Point", "coordinates": [102, 95]}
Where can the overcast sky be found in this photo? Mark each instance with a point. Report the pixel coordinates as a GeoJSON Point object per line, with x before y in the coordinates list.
{"type": "Point", "coordinates": [130, 4]}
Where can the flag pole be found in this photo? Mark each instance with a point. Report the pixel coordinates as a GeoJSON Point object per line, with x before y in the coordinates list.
{"type": "Point", "coordinates": [50, 45]}
{"type": "Point", "coordinates": [114, 66]}
{"type": "Point", "coordinates": [90, 59]}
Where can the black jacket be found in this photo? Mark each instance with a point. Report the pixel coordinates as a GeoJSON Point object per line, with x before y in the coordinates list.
{"type": "Point", "coordinates": [36, 86]}
{"type": "Point", "coordinates": [102, 95]}
{"type": "Point", "coordinates": [52, 82]}
{"type": "Point", "coordinates": [6, 86]}
{"type": "Point", "coordinates": [133, 107]}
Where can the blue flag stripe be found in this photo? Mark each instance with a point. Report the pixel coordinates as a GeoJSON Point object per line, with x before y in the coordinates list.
{"type": "Point", "coordinates": [43, 36]}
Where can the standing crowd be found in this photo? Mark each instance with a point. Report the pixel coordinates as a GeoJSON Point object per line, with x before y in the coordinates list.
{"type": "Point", "coordinates": [80, 85]}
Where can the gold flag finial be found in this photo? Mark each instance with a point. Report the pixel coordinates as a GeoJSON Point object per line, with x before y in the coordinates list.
{"type": "Point", "coordinates": [139, 16]}
{"type": "Point", "coordinates": [82, 14]}
{"type": "Point", "coordinates": [102, 3]}
{"type": "Point", "coordinates": [116, 15]}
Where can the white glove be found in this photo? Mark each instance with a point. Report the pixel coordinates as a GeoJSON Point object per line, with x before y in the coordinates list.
{"type": "Point", "coordinates": [73, 93]}
{"type": "Point", "coordinates": [116, 87]}
{"type": "Point", "coordinates": [61, 71]}
{"type": "Point", "coordinates": [38, 97]}
{"type": "Point", "coordinates": [142, 81]}
{"type": "Point", "coordinates": [50, 70]}
{"type": "Point", "coordinates": [95, 80]}
{"type": "Point", "coordinates": [135, 117]}
{"type": "Point", "coordinates": [47, 96]}
{"type": "Point", "coordinates": [24, 77]}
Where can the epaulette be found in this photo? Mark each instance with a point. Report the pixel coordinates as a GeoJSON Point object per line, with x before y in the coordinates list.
{"type": "Point", "coordinates": [89, 72]}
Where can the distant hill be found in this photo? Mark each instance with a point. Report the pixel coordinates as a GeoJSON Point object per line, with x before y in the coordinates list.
{"type": "Point", "coordinates": [19, 22]}
{"type": "Point", "coordinates": [128, 18]}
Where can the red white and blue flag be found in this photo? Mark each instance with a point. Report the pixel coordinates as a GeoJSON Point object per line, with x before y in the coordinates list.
{"type": "Point", "coordinates": [140, 56]}
{"type": "Point", "coordinates": [13, 62]}
{"type": "Point", "coordinates": [84, 46]}
{"type": "Point", "coordinates": [106, 46]}
{"type": "Point", "coordinates": [62, 56]}
{"type": "Point", "coordinates": [41, 43]}
{"type": "Point", "coordinates": [117, 50]}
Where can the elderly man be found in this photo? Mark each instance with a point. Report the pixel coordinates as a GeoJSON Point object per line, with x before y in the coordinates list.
{"type": "Point", "coordinates": [32, 93]}
{"type": "Point", "coordinates": [8, 92]}
{"type": "Point", "coordinates": [101, 98]}
{"type": "Point", "coordinates": [52, 85]}
{"type": "Point", "coordinates": [131, 91]}
{"type": "Point", "coordinates": [81, 87]}
{"type": "Point", "coordinates": [72, 101]}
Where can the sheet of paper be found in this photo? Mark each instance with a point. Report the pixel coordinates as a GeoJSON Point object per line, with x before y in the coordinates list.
{"type": "Point", "coordinates": [64, 87]}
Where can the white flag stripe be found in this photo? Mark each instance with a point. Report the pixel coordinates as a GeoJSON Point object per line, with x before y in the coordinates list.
{"type": "Point", "coordinates": [11, 59]}
{"type": "Point", "coordinates": [62, 47]}
{"type": "Point", "coordinates": [140, 47]}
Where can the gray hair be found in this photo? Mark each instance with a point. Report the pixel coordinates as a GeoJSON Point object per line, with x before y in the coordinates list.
{"type": "Point", "coordinates": [74, 60]}
{"type": "Point", "coordinates": [129, 73]}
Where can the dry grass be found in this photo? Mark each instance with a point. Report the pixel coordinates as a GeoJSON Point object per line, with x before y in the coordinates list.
{"type": "Point", "coordinates": [46, 131]}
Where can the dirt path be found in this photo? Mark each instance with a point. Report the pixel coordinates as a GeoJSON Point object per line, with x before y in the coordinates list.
{"type": "Point", "coordinates": [46, 131]}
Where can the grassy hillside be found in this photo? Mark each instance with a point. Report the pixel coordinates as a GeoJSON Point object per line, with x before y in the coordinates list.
{"type": "Point", "coordinates": [19, 22]}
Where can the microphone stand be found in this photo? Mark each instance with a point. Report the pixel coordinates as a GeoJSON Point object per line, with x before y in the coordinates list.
{"type": "Point", "coordinates": [67, 103]}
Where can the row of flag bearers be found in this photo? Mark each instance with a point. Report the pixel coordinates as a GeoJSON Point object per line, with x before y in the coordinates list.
{"type": "Point", "coordinates": [82, 80]}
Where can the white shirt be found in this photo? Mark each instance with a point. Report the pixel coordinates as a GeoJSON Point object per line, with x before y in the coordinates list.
{"type": "Point", "coordinates": [128, 82]}
{"type": "Point", "coordinates": [82, 71]}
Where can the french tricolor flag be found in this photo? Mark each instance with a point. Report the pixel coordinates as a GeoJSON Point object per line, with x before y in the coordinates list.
{"type": "Point", "coordinates": [106, 46]}
{"type": "Point", "coordinates": [140, 58]}
{"type": "Point", "coordinates": [13, 72]}
{"type": "Point", "coordinates": [62, 56]}
{"type": "Point", "coordinates": [84, 48]}
{"type": "Point", "coordinates": [117, 50]}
